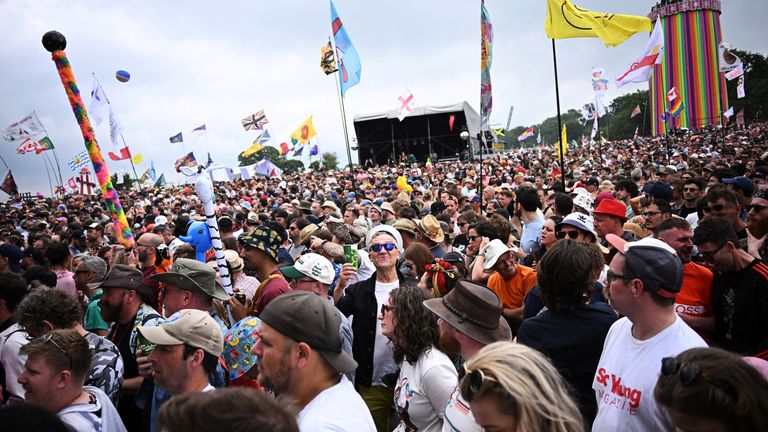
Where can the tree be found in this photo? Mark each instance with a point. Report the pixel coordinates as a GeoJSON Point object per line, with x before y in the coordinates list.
{"type": "Point", "coordinates": [619, 124]}
{"type": "Point", "coordinates": [330, 161]}
{"type": "Point", "coordinates": [273, 154]}
{"type": "Point", "coordinates": [315, 166]}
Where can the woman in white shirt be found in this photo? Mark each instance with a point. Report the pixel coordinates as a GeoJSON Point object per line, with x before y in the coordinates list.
{"type": "Point", "coordinates": [427, 376]}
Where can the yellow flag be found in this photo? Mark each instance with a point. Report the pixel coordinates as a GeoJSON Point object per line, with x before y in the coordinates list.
{"type": "Point", "coordinates": [566, 20]}
{"type": "Point", "coordinates": [562, 145]}
{"type": "Point", "coordinates": [304, 132]}
{"type": "Point", "coordinates": [137, 159]}
{"type": "Point", "coordinates": [252, 149]}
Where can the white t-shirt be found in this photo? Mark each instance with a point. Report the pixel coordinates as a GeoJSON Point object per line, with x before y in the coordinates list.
{"type": "Point", "coordinates": [97, 415]}
{"type": "Point", "coordinates": [422, 391]}
{"type": "Point", "coordinates": [457, 416]}
{"type": "Point", "coordinates": [628, 371]}
{"type": "Point", "coordinates": [339, 408]}
{"type": "Point", "coordinates": [383, 360]}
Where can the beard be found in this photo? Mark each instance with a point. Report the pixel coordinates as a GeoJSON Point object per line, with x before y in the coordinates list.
{"type": "Point", "coordinates": [449, 344]}
{"type": "Point", "coordinates": [277, 380]}
{"type": "Point", "coordinates": [110, 313]}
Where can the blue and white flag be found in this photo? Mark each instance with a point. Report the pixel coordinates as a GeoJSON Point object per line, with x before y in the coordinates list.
{"type": "Point", "coordinates": [346, 54]}
{"type": "Point", "coordinates": [98, 103]}
{"type": "Point", "coordinates": [80, 160]}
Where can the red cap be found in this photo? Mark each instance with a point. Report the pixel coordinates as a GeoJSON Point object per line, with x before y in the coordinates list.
{"type": "Point", "coordinates": [612, 207]}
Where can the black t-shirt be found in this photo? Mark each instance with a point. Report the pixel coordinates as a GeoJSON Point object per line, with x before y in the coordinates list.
{"type": "Point", "coordinates": [573, 341]}
{"type": "Point", "coordinates": [685, 211]}
{"type": "Point", "coordinates": [460, 243]}
{"type": "Point", "coordinates": [534, 305]}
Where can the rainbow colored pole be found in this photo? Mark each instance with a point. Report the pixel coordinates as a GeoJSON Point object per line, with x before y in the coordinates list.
{"type": "Point", "coordinates": [55, 43]}
{"type": "Point", "coordinates": [691, 36]}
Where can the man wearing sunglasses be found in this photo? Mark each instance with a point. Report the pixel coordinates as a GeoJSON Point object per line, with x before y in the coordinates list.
{"type": "Point", "coordinates": [757, 224]}
{"type": "Point", "coordinates": [740, 298]}
{"type": "Point", "coordinates": [644, 278]}
{"type": "Point", "coordinates": [723, 204]}
{"type": "Point", "coordinates": [692, 190]}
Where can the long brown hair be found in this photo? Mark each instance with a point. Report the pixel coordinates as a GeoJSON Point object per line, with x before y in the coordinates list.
{"type": "Point", "coordinates": [416, 327]}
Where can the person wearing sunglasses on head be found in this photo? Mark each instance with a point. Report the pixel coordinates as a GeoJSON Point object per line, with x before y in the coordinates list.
{"type": "Point", "coordinates": [712, 389]}
{"type": "Point", "coordinates": [512, 387]}
{"type": "Point", "coordinates": [757, 224]}
{"type": "Point", "coordinates": [740, 299]}
{"type": "Point", "coordinates": [363, 300]}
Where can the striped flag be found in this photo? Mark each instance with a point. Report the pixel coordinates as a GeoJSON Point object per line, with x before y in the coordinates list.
{"type": "Point", "coordinates": [80, 160]}
{"type": "Point", "coordinates": [635, 111]}
{"type": "Point", "coordinates": [525, 135]}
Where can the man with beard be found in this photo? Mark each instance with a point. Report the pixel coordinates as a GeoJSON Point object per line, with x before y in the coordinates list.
{"type": "Point", "coordinates": [94, 238]}
{"type": "Point", "coordinates": [757, 224]}
{"type": "Point", "coordinates": [123, 303]}
{"type": "Point", "coordinates": [694, 301]}
{"type": "Point", "coordinates": [301, 357]}
{"type": "Point", "coordinates": [147, 247]}
{"type": "Point", "coordinates": [470, 318]}
{"type": "Point", "coordinates": [110, 233]}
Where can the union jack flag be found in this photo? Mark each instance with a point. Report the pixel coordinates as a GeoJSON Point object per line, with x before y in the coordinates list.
{"type": "Point", "coordinates": [255, 121]}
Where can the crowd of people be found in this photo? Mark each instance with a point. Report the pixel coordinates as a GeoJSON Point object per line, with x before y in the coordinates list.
{"type": "Point", "coordinates": [623, 290]}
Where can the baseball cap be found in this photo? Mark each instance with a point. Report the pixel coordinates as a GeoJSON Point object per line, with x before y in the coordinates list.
{"type": "Point", "coordinates": [306, 317]}
{"type": "Point", "coordinates": [192, 275]}
{"type": "Point", "coordinates": [742, 183]}
{"type": "Point", "coordinates": [160, 220]}
{"type": "Point", "coordinates": [313, 265]}
{"type": "Point", "coordinates": [14, 254]}
{"type": "Point", "coordinates": [187, 326]}
{"type": "Point", "coordinates": [659, 190]}
{"type": "Point", "coordinates": [652, 261]}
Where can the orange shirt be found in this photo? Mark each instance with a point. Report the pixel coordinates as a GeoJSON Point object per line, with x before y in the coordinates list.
{"type": "Point", "coordinates": [695, 296]}
{"type": "Point", "coordinates": [512, 292]}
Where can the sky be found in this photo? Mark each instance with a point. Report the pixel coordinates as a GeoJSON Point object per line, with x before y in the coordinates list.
{"type": "Point", "coordinates": [214, 63]}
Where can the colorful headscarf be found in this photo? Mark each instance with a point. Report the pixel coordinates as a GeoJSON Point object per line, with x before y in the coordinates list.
{"type": "Point", "coordinates": [443, 277]}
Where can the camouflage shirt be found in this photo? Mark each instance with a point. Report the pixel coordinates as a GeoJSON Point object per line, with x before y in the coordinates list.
{"type": "Point", "coordinates": [106, 366]}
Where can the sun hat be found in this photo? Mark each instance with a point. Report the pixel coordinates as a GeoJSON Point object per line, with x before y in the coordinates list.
{"type": "Point", "coordinates": [581, 221]}
{"type": "Point", "coordinates": [313, 265]}
{"type": "Point", "coordinates": [347, 234]}
{"type": "Point", "coordinates": [387, 206]}
{"type": "Point", "coordinates": [125, 277]}
{"type": "Point", "coordinates": [233, 259]}
{"type": "Point", "coordinates": [238, 346]}
{"type": "Point", "coordinates": [330, 204]}
{"type": "Point", "coordinates": [307, 317]}
{"type": "Point", "coordinates": [406, 225]}
{"type": "Point", "coordinates": [474, 310]}
{"type": "Point", "coordinates": [584, 200]}
{"type": "Point", "coordinates": [188, 326]}
{"type": "Point", "coordinates": [306, 233]}
{"type": "Point", "coordinates": [192, 275]}
{"type": "Point", "coordinates": [430, 227]}
{"type": "Point", "coordinates": [612, 207]}
{"type": "Point", "coordinates": [652, 261]}
{"type": "Point", "coordinates": [492, 251]}
{"type": "Point", "coordinates": [263, 238]}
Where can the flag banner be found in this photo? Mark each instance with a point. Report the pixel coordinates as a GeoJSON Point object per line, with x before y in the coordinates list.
{"type": "Point", "coordinates": [152, 172]}
{"type": "Point", "coordinates": [637, 132]}
{"type": "Point", "coordinates": [676, 107]}
{"type": "Point", "coordinates": [38, 146]}
{"type": "Point", "coordinates": [124, 154]}
{"type": "Point", "coordinates": [9, 184]}
{"type": "Point", "coordinates": [177, 138]}
{"type": "Point", "coordinates": [327, 60]}
{"type": "Point", "coordinates": [267, 168]}
{"type": "Point", "coordinates": [499, 132]}
{"type": "Point", "coordinates": [264, 138]}
{"type": "Point", "coordinates": [599, 81]}
{"type": "Point", "coordinates": [740, 117]}
{"type": "Point", "coordinates": [84, 179]}
{"type": "Point", "coordinates": [284, 149]}
{"type": "Point", "coordinates": [137, 158]}
{"type": "Point", "coordinates": [451, 121]}
{"type": "Point", "coordinates": [635, 111]}
{"type": "Point", "coordinates": [298, 152]}
{"type": "Point", "coordinates": [727, 60]}
{"type": "Point", "coordinates": [256, 146]}
{"type": "Point", "coordinates": [641, 68]}
{"type": "Point", "coordinates": [210, 160]}
{"type": "Point", "coordinates": [313, 151]}
{"type": "Point", "coordinates": [25, 128]}
{"type": "Point", "coordinates": [304, 132]}
{"type": "Point", "coordinates": [98, 103]}
{"type": "Point", "coordinates": [735, 73]}
{"type": "Point", "coordinates": [740, 92]}
{"type": "Point", "coordinates": [187, 160]}
{"type": "Point", "coordinates": [80, 160]}
{"type": "Point", "coordinates": [255, 121]}
{"type": "Point", "coordinates": [538, 137]}
{"type": "Point", "coordinates": [119, 177]}
{"type": "Point", "coordinates": [599, 106]}
{"type": "Point", "coordinates": [728, 113]}
{"type": "Point", "coordinates": [199, 129]}
{"type": "Point", "coordinates": [114, 128]}
{"type": "Point", "coordinates": [348, 60]}
{"type": "Point", "coordinates": [145, 178]}
{"type": "Point", "coordinates": [565, 20]}
{"type": "Point", "coordinates": [527, 134]}
{"type": "Point", "coordinates": [160, 181]}
{"type": "Point", "coordinates": [672, 94]}
{"type": "Point", "coordinates": [594, 131]}
{"type": "Point", "coordinates": [562, 144]}
{"type": "Point", "coordinates": [486, 58]}
{"type": "Point", "coordinates": [405, 104]}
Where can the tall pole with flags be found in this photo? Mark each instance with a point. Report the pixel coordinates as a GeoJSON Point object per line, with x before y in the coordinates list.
{"type": "Point", "coordinates": [486, 90]}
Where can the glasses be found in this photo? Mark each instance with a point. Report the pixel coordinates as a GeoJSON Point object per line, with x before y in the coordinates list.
{"type": "Point", "coordinates": [296, 281]}
{"type": "Point", "coordinates": [473, 238]}
{"type": "Point", "coordinates": [49, 338]}
{"type": "Point", "coordinates": [693, 189]}
{"type": "Point", "coordinates": [377, 247]}
{"type": "Point", "coordinates": [476, 378]}
{"type": "Point", "coordinates": [651, 213]}
{"type": "Point", "coordinates": [710, 256]}
{"type": "Point", "coordinates": [573, 235]}
{"type": "Point", "coordinates": [82, 271]}
{"type": "Point", "coordinates": [756, 207]}
{"type": "Point", "coordinates": [461, 224]}
{"type": "Point", "coordinates": [386, 308]}
{"type": "Point", "coordinates": [688, 372]}
{"type": "Point", "coordinates": [611, 276]}
{"type": "Point", "coordinates": [716, 207]}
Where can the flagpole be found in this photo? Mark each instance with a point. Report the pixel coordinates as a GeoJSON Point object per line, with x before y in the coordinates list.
{"type": "Point", "coordinates": [48, 172]}
{"type": "Point", "coordinates": [130, 159]}
{"type": "Point", "coordinates": [343, 118]}
{"type": "Point", "coordinates": [599, 141]}
{"type": "Point", "coordinates": [4, 162]}
{"type": "Point", "coordinates": [645, 113]}
{"type": "Point", "coordinates": [559, 121]}
{"type": "Point", "coordinates": [58, 166]}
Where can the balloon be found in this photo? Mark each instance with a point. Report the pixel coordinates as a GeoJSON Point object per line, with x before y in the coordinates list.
{"type": "Point", "coordinates": [122, 76]}
{"type": "Point", "coordinates": [402, 184]}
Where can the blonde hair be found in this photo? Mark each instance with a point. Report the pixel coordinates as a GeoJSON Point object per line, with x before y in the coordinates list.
{"type": "Point", "coordinates": [526, 386]}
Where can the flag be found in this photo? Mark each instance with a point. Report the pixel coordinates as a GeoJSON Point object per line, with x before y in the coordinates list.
{"type": "Point", "coordinates": [562, 144]}
{"type": "Point", "coordinates": [255, 121]}
{"type": "Point", "coordinates": [672, 94]}
{"type": "Point", "coordinates": [735, 72]}
{"type": "Point", "coordinates": [728, 113]}
{"type": "Point", "coordinates": [98, 103]}
{"type": "Point", "coordinates": [124, 154]}
{"type": "Point", "coordinates": [264, 137]}
{"type": "Point", "coordinates": [676, 105]}
{"type": "Point", "coordinates": [256, 146]}
{"type": "Point", "coordinates": [527, 134]}
{"type": "Point", "coordinates": [115, 129]}
{"type": "Point", "coordinates": [727, 60]}
{"type": "Point", "coordinates": [451, 120]}
{"type": "Point", "coordinates": [9, 184]}
{"type": "Point", "coordinates": [210, 161]}
{"type": "Point", "coordinates": [599, 81]}
{"type": "Point", "coordinates": [313, 151]}
{"type": "Point", "coordinates": [599, 106]}
{"type": "Point", "coordinates": [740, 117]}
{"type": "Point", "coordinates": [740, 92]}
{"type": "Point", "coordinates": [635, 111]}
{"type": "Point", "coordinates": [80, 160]}
{"type": "Point", "coordinates": [486, 58]}
{"type": "Point", "coordinates": [350, 68]}
{"type": "Point", "coordinates": [637, 132]}
{"type": "Point", "coordinates": [327, 60]}
{"type": "Point", "coordinates": [137, 159]}
{"type": "Point", "coordinates": [565, 20]}
{"type": "Point", "coordinates": [25, 128]}
{"type": "Point", "coordinates": [641, 68]}
{"type": "Point", "coordinates": [499, 132]}
{"type": "Point", "coordinates": [145, 178]}
{"type": "Point", "coordinates": [298, 152]}
{"type": "Point", "coordinates": [284, 149]}
{"type": "Point", "coordinates": [405, 105]}
{"type": "Point", "coordinates": [594, 130]}
{"type": "Point", "coordinates": [38, 146]}
{"type": "Point", "coordinates": [160, 181]}
{"type": "Point", "coordinates": [199, 128]}
{"type": "Point", "coordinates": [177, 138]}
{"type": "Point", "coordinates": [538, 137]}
{"type": "Point", "coordinates": [152, 172]}
{"type": "Point", "coordinates": [187, 160]}
{"type": "Point", "coordinates": [304, 132]}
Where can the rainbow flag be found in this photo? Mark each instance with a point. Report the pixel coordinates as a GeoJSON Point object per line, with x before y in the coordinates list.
{"type": "Point", "coordinates": [527, 134]}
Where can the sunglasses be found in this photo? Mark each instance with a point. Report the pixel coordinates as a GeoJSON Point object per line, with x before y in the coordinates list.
{"type": "Point", "coordinates": [573, 235]}
{"type": "Point", "coordinates": [461, 224]}
{"type": "Point", "coordinates": [688, 372]}
{"type": "Point", "coordinates": [377, 247]}
{"type": "Point", "coordinates": [475, 378]}
{"type": "Point", "coordinates": [651, 213]}
{"type": "Point", "coordinates": [710, 256]}
{"type": "Point", "coordinates": [386, 308]}
{"type": "Point", "coordinates": [717, 208]}
{"type": "Point", "coordinates": [756, 207]}
{"type": "Point", "coordinates": [49, 338]}
{"type": "Point", "coordinates": [693, 189]}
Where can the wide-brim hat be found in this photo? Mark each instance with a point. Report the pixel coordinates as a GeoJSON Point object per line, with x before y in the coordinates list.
{"type": "Point", "coordinates": [474, 310]}
{"type": "Point", "coordinates": [125, 277]}
{"type": "Point", "coordinates": [345, 233]}
{"type": "Point", "coordinates": [306, 233]}
{"type": "Point", "coordinates": [262, 238]}
{"type": "Point", "coordinates": [406, 225]}
{"type": "Point", "coordinates": [192, 275]}
{"type": "Point", "coordinates": [430, 227]}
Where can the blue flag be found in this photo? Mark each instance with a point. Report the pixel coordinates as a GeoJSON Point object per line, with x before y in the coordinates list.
{"type": "Point", "coordinates": [177, 138]}
{"type": "Point", "coordinates": [152, 172]}
{"type": "Point", "coordinates": [346, 54]}
{"type": "Point", "coordinates": [313, 150]}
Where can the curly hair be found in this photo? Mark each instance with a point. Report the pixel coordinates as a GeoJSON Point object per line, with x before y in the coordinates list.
{"type": "Point", "coordinates": [565, 275]}
{"type": "Point", "coordinates": [50, 304]}
{"type": "Point", "coordinates": [416, 327]}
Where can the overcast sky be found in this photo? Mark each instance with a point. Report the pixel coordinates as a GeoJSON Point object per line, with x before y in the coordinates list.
{"type": "Point", "coordinates": [213, 63]}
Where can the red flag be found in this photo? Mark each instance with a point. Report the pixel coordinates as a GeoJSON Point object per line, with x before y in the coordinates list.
{"type": "Point", "coordinates": [450, 122]}
{"type": "Point", "coordinates": [124, 154]}
{"type": "Point", "coordinates": [284, 149]}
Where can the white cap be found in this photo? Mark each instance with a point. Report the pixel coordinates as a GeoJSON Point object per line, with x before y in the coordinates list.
{"type": "Point", "coordinates": [313, 265]}
{"type": "Point", "coordinates": [161, 220]}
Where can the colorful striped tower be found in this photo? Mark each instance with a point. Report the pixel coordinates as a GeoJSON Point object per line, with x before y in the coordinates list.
{"type": "Point", "coordinates": [691, 36]}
